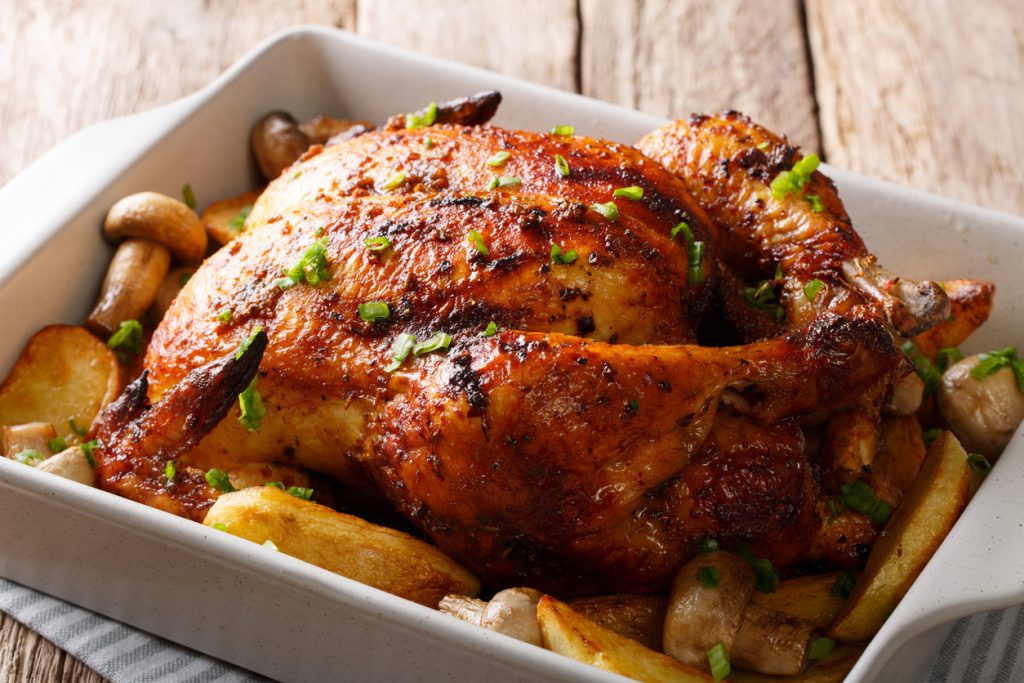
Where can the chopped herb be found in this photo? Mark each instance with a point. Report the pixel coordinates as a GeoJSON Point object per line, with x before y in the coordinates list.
{"type": "Point", "coordinates": [400, 351]}
{"type": "Point", "coordinates": [709, 576]}
{"type": "Point", "coordinates": [694, 274]}
{"type": "Point", "coordinates": [793, 181]}
{"type": "Point", "coordinates": [498, 159]}
{"type": "Point", "coordinates": [860, 497]}
{"type": "Point", "coordinates": [247, 342]}
{"type": "Point", "coordinates": [185, 277]}
{"type": "Point", "coordinates": [439, 341]}
{"type": "Point", "coordinates": [764, 145]}
{"type": "Point", "coordinates": [428, 143]}
{"type": "Point", "coordinates": [708, 545]}
{"type": "Point", "coordinates": [925, 369]}
{"type": "Point", "coordinates": [979, 463]}
{"type": "Point", "coordinates": [991, 362]}
{"type": "Point", "coordinates": [188, 196]}
{"type": "Point", "coordinates": [126, 341]}
{"type": "Point", "coordinates": [812, 288]}
{"type": "Point", "coordinates": [87, 449]}
{"type": "Point", "coordinates": [374, 311]}
{"type": "Point", "coordinates": [946, 357]}
{"type": "Point", "coordinates": [609, 210]}
{"type": "Point", "coordinates": [835, 506]}
{"type": "Point", "coordinates": [427, 118]}
{"type": "Point", "coordinates": [219, 480]}
{"type": "Point", "coordinates": [300, 492]}
{"type": "Point", "coordinates": [377, 243]}
{"type": "Point", "coordinates": [816, 204]}
{"type": "Point", "coordinates": [564, 131]}
{"type": "Point", "coordinates": [762, 298]}
{"type": "Point", "coordinates": [767, 575]}
{"type": "Point", "coordinates": [29, 456]}
{"type": "Point", "coordinates": [684, 228]}
{"type": "Point", "coordinates": [319, 231]}
{"type": "Point", "coordinates": [311, 267]}
{"type": "Point", "coordinates": [171, 470]}
{"type": "Point", "coordinates": [238, 222]}
{"type": "Point", "coordinates": [561, 166]}
{"type": "Point", "coordinates": [270, 544]}
{"type": "Point", "coordinates": [633, 193]}
{"type": "Point", "coordinates": [562, 258]}
{"type": "Point", "coordinates": [492, 329]}
{"type": "Point", "coordinates": [224, 316]}
{"type": "Point", "coordinates": [477, 240]}
{"type": "Point", "coordinates": [219, 526]}
{"type": "Point", "coordinates": [394, 181]}
{"type": "Point", "coordinates": [931, 434]}
{"type": "Point", "coordinates": [503, 181]}
{"type": "Point", "coordinates": [843, 585]}
{"type": "Point", "coordinates": [253, 409]}
{"type": "Point", "coordinates": [718, 662]}
{"type": "Point", "coordinates": [820, 648]}
{"type": "Point", "coordinates": [632, 406]}
{"type": "Point", "coordinates": [275, 485]}
{"type": "Point", "coordinates": [57, 445]}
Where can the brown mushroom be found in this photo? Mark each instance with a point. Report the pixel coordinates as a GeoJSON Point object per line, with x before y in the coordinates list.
{"type": "Point", "coordinates": [152, 226]}
{"type": "Point", "coordinates": [983, 413]}
{"type": "Point", "coordinates": [512, 611]}
{"type": "Point", "coordinates": [277, 142]}
{"type": "Point", "coordinates": [906, 396]}
{"type": "Point", "coordinates": [173, 283]}
{"type": "Point", "coordinates": [320, 128]}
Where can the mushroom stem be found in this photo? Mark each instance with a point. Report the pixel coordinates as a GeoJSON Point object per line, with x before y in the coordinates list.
{"type": "Point", "coordinates": [910, 307]}
{"type": "Point", "coordinates": [131, 285]}
{"type": "Point", "coordinates": [772, 642]}
{"type": "Point", "coordinates": [463, 607]}
{"type": "Point", "coordinates": [512, 612]}
{"type": "Point", "coordinates": [29, 436]}
{"type": "Point", "coordinates": [70, 464]}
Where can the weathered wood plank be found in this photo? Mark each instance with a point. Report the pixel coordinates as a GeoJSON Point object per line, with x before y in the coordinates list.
{"type": "Point", "coordinates": [928, 94]}
{"type": "Point", "coordinates": [67, 63]}
{"type": "Point", "coordinates": [530, 39]}
{"type": "Point", "coordinates": [24, 656]}
{"type": "Point", "coordinates": [676, 57]}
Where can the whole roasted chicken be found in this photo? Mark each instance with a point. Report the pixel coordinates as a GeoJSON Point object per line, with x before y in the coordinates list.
{"type": "Point", "coordinates": [565, 359]}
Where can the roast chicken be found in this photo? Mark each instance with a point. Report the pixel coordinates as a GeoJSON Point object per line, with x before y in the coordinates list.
{"type": "Point", "coordinates": [611, 393]}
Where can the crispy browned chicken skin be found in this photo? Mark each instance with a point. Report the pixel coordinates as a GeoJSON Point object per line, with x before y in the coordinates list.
{"type": "Point", "coordinates": [587, 444]}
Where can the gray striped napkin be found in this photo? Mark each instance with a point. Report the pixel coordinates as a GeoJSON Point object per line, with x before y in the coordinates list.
{"type": "Point", "coordinates": [987, 647]}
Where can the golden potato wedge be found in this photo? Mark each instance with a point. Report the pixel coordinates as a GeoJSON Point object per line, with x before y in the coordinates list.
{"type": "Point", "coordinates": [808, 597]}
{"type": "Point", "coordinates": [970, 305]}
{"type": "Point", "coordinates": [225, 219]}
{"type": "Point", "coordinates": [929, 511]}
{"type": "Point", "coordinates": [640, 617]}
{"type": "Point", "coordinates": [377, 556]}
{"type": "Point", "coordinates": [831, 669]}
{"type": "Point", "coordinates": [63, 373]}
{"type": "Point", "coordinates": [900, 457]}
{"type": "Point", "coordinates": [569, 633]}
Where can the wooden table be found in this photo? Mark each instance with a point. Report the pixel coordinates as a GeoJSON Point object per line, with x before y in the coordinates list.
{"type": "Point", "coordinates": [927, 93]}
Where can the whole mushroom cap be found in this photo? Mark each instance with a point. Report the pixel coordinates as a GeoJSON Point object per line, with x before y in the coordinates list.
{"type": "Point", "coordinates": [982, 413]}
{"type": "Point", "coordinates": [161, 219]}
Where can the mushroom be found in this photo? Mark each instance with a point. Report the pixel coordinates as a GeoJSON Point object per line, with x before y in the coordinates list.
{"type": "Point", "coordinates": [710, 604]}
{"type": "Point", "coordinates": [906, 396]}
{"type": "Point", "coordinates": [277, 142]}
{"type": "Point", "coordinates": [152, 226]}
{"type": "Point", "coordinates": [173, 283]}
{"type": "Point", "coordinates": [982, 413]}
{"type": "Point", "coordinates": [31, 436]}
{"type": "Point", "coordinates": [512, 611]}
{"type": "Point", "coordinates": [72, 464]}
{"type": "Point", "coordinates": [320, 129]}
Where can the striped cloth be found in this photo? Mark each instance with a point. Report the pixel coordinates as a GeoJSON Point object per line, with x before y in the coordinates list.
{"type": "Point", "coordinates": [985, 648]}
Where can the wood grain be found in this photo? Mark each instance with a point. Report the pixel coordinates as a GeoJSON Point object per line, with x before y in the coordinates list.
{"type": "Point", "coordinates": [928, 94]}
{"type": "Point", "coordinates": [25, 656]}
{"type": "Point", "coordinates": [676, 57]}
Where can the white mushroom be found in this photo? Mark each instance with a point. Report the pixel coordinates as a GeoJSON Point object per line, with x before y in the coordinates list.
{"type": "Point", "coordinates": [983, 413]}
{"type": "Point", "coordinates": [512, 611]}
{"type": "Point", "coordinates": [906, 396]}
{"type": "Point", "coordinates": [71, 464]}
{"type": "Point", "coordinates": [32, 436]}
{"type": "Point", "coordinates": [152, 226]}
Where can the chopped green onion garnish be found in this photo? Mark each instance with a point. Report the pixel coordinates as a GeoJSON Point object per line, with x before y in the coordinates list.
{"type": "Point", "coordinates": [247, 342]}
{"type": "Point", "coordinates": [633, 192]}
{"type": "Point", "coordinates": [275, 485]}
{"type": "Point", "coordinates": [843, 585]}
{"type": "Point", "coordinates": [219, 526]}
{"type": "Point", "coordinates": [792, 181]}
{"type": "Point", "coordinates": [492, 329]}
{"type": "Point", "coordinates": [185, 277]}
{"type": "Point", "coordinates": [816, 204]}
{"type": "Point", "coordinates": [170, 470]}
{"type": "Point", "coordinates": [632, 406]}
{"type": "Point", "coordinates": [57, 445]}
{"type": "Point", "coordinates": [557, 256]}
{"type": "Point", "coordinates": [946, 357]}
{"type": "Point", "coordinates": [561, 166]}
{"type": "Point", "coordinates": [762, 298]}
{"type": "Point", "coordinates": [503, 181]}
{"type": "Point", "coordinates": [188, 196]}
{"type": "Point", "coordinates": [708, 545]}
{"type": "Point", "coordinates": [400, 351]}
{"type": "Point", "coordinates": [696, 256]}
{"type": "Point", "coordinates": [29, 456]}
{"type": "Point", "coordinates": [127, 340]}
{"type": "Point", "coordinates": [253, 410]}
{"type": "Point", "coordinates": [812, 288]}
{"type": "Point", "coordinates": [931, 434]}
{"type": "Point", "coordinates": [374, 311]}
{"type": "Point", "coordinates": [979, 463]}
{"type": "Point", "coordinates": [394, 181]}
{"type": "Point", "coordinates": [820, 648]}
{"type": "Point", "coordinates": [219, 480]}
{"type": "Point", "coordinates": [925, 369]}
{"type": "Point", "coordinates": [377, 243]}
{"type": "Point", "coordinates": [767, 575]}
{"type": "Point", "coordinates": [428, 143]}
{"type": "Point", "coordinates": [477, 240]}
{"type": "Point", "coordinates": [311, 267]}
{"type": "Point", "coordinates": [224, 316]}
{"type": "Point", "coordinates": [684, 228]}
{"type": "Point", "coordinates": [427, 118]}
{"type": "Point", "coordinates": [300, 492]}
{"type": "Point", "coordinates": [718, 662]}
{"type": "Point", "coordinates": [860, 497]}
{"type": "Point", "coordinates": [609, 210]}
{"type": "Point", "coordinates": [81, 431]}
{"type": "Point", "coordinates": [709, 576]}
{"type": "Point", "coordinates": [439, 341]}
{"type": "Point", "coordinates": [764, 145]}
{"type": "Point", "coordinates": [563, 130]}
{"type": "Point", "coordinates": [498, 159]}
{"type": "Point", "coordinates": [989, 363]}
{"type": "Point", "coordinates": [238, 222]}
{"type": "Point", "coordinates": [269, 544]}
{"type": "Point", "coordinates": [87, 449]}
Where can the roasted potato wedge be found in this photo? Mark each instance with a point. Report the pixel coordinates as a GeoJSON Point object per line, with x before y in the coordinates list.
{"type": "Point", "coordinates": [63, 373]}
{"type": "Point", "coordinates": [224, 220]}
{"type": "Point", "coordinates": [970, 305]}
{"type": "Point", "coordinates": [915, 531]}
{"type": "Point", "coordinates": [377, 556]}
{"type": "Point", "coordinates": [640, 617]}
{"type": "Point", "coordinates": [900, 457]}
{"type": "Point", "coordinates": [808, 597]}
{"type": "Point", "coordinates": [569, 633]}
{"type": "Point", "coordinates": [831, 669]}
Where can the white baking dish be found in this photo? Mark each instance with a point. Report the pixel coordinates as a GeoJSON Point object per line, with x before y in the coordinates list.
{"type": "Point", "coordinates": [289, 620]}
